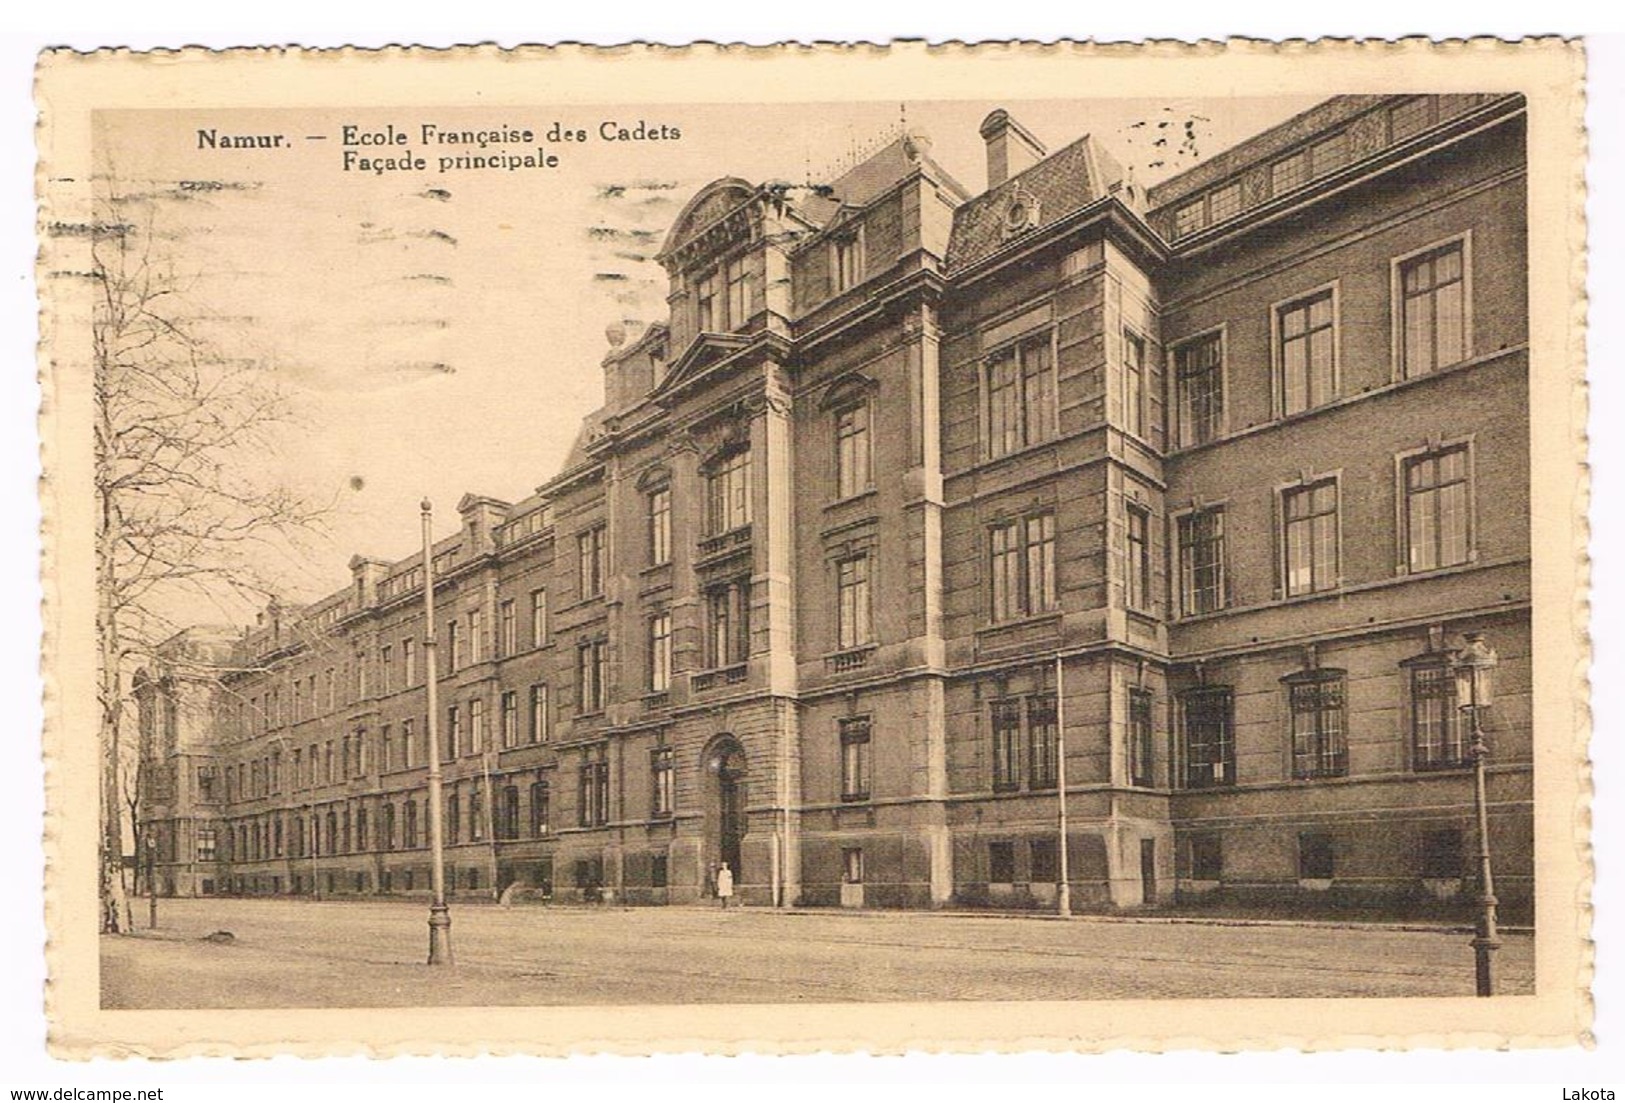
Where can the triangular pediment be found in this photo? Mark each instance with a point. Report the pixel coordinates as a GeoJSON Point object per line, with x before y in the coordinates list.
{"type": "Point", "coordinates": [704, 351]}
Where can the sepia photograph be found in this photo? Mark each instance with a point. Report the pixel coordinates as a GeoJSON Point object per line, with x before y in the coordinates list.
{"type": "Point", "coordinates": [951, 544]}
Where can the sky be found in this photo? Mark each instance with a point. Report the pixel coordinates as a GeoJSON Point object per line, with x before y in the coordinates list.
{"type": "Point", "coordinates": [441, 332]}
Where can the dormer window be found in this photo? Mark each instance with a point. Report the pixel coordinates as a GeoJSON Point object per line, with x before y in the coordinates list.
{"type": "Point", "coordinates": [705, 303]}
{"type": "Point", "coordinates": [846, 260]}
{"type": "Point", "coordinates": [737, 276]}
{"type": "Point", "coordinates": [722, 297]}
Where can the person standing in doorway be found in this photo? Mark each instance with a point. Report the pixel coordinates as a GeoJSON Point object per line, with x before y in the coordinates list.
{"type": "Point", "coordinates": [725, 885]}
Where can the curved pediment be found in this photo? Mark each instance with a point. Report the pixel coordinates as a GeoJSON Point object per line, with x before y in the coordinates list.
{"type": "Point", "coordinates": [848, 390]}
{"type": "Point", "coordinates": [706, 211]}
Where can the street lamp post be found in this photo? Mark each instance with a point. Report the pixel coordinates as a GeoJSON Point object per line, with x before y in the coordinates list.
{"type": "Point", "coordinates": [1473, 667]}
{"type": "Point", "coordinates": [439, 913]}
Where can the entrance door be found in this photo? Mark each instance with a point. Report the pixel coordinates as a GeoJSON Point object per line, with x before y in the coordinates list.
{"type": "Point", "coordinates": [725, 804]}
{"type": "Point", "coordinates": [1148, 871]}
{"type": "Point", "coordinates": [730, 818]}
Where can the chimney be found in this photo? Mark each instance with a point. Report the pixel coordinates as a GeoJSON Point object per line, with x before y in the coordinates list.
{"type": "Point", "coordinates": [1011, 147]}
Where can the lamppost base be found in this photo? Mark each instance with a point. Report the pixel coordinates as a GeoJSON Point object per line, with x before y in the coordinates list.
{"type": "Point", "coordinates": [1484, 956]}
{"type": "Point", "coordinates": [439, 935]}
{"type": "Point", "coordinates": [1063, 901]}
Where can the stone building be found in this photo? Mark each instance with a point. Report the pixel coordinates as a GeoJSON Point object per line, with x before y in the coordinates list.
{"type": "Point", "coordinates": [922, 500]}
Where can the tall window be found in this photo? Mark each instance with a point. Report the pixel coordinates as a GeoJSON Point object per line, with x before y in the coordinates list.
{"type": "Point", "coordinates": [1311, 537]}
{"type": "Point", "coordinates": [1199, 383]}
{"type": "Point", "coordinates": [454, 819]}
{"type": "Point", "coordinates": [852, 450]}
{"type": "Point", "coordinates": [409, 662]}
{"type": "Point", "coordinates": [1141, 743]}
{"type": "Point", "coordinates": [510, 719]}
{"type": "Point", "coordinates": [1436, 509]}
{"type": "Point", "coordinates": [1319, 741]}
{"type": "Point", "coordinates": [662, 773]}
{"type": "Point", "coordinates": [454, 732]}
{"type": "Point", "coordinates": [853, 610]}
{"type": "Point", "coordinates": [1209, 740]}
{"type": "Point", "coordinates": [1020, 396]}
{"type": "Point", "coordinates": [1438, 737]}
{"type": "Point", "coordinates": [538, 618]}
{"type": "Point", "coordinates": [507, 628]}
{"type": "Point", "coordinates": [591, 550]}
{"type": "Point", "coordinates": [727, 635]}
{"type": "Point", "coordinates": [539, 728]}
{"type": "Point", "coordinates": [476, 636]}
{"type": "Point", "coordinates": [727, 502]}
{"type": "Point", "coordinates": [1306, 337]}
{"type": "Point", "coordinates": [705, 303]}
{"type": "Point", "coordinates": [1001, 862]}
{"type": "Point", "coordinates": [409, 823]}
{"type": "Point", "coordinates": [737, 274]}
{"type": "Point", "coordinates": [408, 751]}
{"type": "Point", "coordinates": [1042, 744]}
{"type": "Point", "coordinates": [386, 675]}
{"type": "Point", "coordinates": [508, 813]}
{"type": "Point", "coordinates": [476, 813]}
{"type": "Point", "coordinates": [592, 668]}
{"type": "Point", "coordinates": [1201, 562]}
{"type": "Point", "coordinates": [660, 526]}
{"type": "Point", "coordinates": [1006, 724]}
{"type": "Point", "coordinates": [476, 726]}
{"type": "Point", "coordinates": [660, 653]}
{"type": "Point", "coordinates": [1023, 567]}
{"type": "Point", "coordinates": [1133, 383]}
{"type": "Point", "coordinates": [592, 796]}
{"type": "Point", "coordinates": [538, 809]}
{"type": "Point", "coordinates": [855, 758]}
{"type": "Point", "coordinates": [1043, 862]}
{"type": "Point", "coordinates": [454, 645]}
{"type": "Point", "coordinates": [846, 261]}
{"type": "Point", "coordinates": [1139, 557]}
{"type": "Point", "coordinates": [1433, 311]}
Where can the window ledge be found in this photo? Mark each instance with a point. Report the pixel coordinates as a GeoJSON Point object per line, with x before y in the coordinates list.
{"type": "Point", "coordinates": [724, 544]}
{"type": "Point", "coordinates": [1477, 563]}
{"type": "Point", "coordinates": [851, 499]}
{"type": "Point", "coordinates": [723, 675]}
{"type": "Point", "coordinates": [999, 627]}
{"type": "Point", "coordinates": [1346, 400]}
{"type": "Point", "coordinates": [851, 658]}
{"type": "Point", "coordinates": [988, 461]}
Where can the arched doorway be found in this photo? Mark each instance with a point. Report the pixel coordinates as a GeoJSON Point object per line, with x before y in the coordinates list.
{"type": "Point", "coordinates": [725, 771]}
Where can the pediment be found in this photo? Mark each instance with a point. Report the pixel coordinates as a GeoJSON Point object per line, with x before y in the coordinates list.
{"type": "Point", "coordinates": [704, 351]}
{"type": "Point", "coordinates": [709, 207]}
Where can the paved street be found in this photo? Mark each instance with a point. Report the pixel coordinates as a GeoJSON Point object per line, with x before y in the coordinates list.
{"type": "Point", "coordinates": [343, 954]}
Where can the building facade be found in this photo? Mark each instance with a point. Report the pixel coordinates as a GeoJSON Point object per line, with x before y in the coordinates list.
{"type": "Point", "coordinates": [923, 507]}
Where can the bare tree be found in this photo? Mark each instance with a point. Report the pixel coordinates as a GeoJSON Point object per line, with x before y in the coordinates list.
{"type": "Point", "coordinates": [183, 515]}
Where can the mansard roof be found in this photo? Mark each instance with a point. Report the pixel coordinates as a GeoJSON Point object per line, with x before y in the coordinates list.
{"type": "Point", "coordinates": [1066, 181]}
